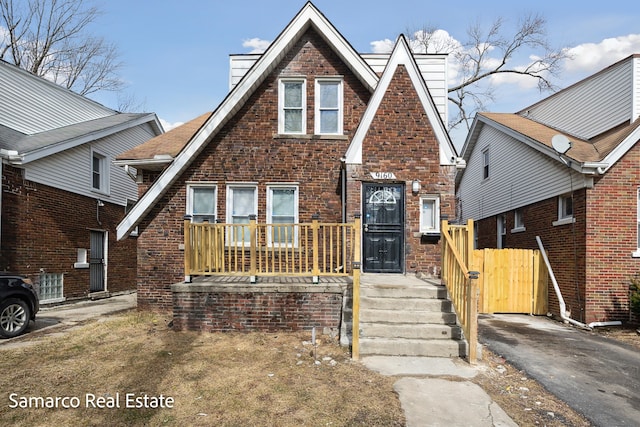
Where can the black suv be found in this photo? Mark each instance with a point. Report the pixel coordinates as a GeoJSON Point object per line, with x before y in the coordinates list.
{"type": "Point", "coordinates": [18, 304]}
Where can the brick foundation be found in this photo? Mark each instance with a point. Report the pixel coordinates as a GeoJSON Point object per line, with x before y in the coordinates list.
{"type": "Point", "coordinates": [210, 307]}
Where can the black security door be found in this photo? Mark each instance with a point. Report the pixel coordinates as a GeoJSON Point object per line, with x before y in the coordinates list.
{"type": "Point", "coordinates": [96, 262]}
{"type": "Point", "coordinates": [383, 228]}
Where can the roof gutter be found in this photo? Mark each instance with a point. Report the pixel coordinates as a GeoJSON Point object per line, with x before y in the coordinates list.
{"type": "Point", "coordinates": [595, 168]}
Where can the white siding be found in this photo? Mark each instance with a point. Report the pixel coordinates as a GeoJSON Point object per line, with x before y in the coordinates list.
{"type": "Point", "coordinates": [591, 106]}
{"type": "Point", "coordinates": [432, 67]}
{"type": "Point", "coordinates": [26, 100]}
{"type": "Point", "coordinates": [518, 176]}
{"type": "Point", "coordinates": [636, 88]}
{"type": "Point", "coordinates": [70, 170]}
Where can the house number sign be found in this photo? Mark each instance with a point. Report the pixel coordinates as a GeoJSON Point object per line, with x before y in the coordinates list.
{"type": "Point", "coordinates": [383, 175]}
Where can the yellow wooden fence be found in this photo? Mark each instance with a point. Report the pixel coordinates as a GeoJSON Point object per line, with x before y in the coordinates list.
{"type": "Point", "coordinates": [511, 281]}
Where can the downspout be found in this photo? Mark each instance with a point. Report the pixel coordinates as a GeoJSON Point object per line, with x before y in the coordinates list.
{"type": "Point", "coordinates": [563, 307]}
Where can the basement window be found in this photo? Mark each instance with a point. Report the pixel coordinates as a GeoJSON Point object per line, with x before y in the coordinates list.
{"type": "Point", "coordinates": [565, 210]}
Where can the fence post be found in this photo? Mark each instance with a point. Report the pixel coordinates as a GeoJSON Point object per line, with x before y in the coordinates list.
{"type": "Point", "coordinates": [472, 316]}
{"type": "Point", "coordinates": [252, 248]}
{"type": "Point", "coordinates": [187, 248]}
{"type": "Point", "coordinates": [355, 319]}
{"type": "Point", "coordinates": [315, 272]}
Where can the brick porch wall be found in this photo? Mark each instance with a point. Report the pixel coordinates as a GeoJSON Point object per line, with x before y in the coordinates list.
{"type": "Point", "coordinates": [221, 308]}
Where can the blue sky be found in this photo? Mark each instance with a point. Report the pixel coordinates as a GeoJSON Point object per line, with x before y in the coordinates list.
{"type": "Point", "coordinates": [175, 53]}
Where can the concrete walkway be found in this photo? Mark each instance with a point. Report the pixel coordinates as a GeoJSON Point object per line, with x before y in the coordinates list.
{"type": "Point", "coordinates": [436, 392]}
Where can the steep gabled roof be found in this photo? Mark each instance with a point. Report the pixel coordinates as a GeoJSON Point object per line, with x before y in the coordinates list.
{"type": "Point", "coordinates": [308, 17]}
{"type": "Point", "coordinates": [401, 55]}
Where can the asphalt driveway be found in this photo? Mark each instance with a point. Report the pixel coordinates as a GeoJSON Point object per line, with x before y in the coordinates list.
{"type": "Point", "coordinates": [596, 376]}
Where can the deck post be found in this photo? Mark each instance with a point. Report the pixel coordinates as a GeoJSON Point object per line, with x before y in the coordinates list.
{"type": "Point", "coordinates": [252, 248]}
{"type": "Point", "coordinates": [315, 272]}
{"type": "Point", "coordinates": [187, 248]}
{"type": "Point", "coordinates": [355, 333]}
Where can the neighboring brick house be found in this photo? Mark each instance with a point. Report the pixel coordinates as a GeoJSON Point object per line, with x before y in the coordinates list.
{"type": "Point", "coordinates": [323, 130]}
{"type": "Point", "coordinates": [584, 204]}
{"type": "Point", "coordinates": [61, 196]}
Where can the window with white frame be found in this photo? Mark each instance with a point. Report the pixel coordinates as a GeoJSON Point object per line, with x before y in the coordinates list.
{"type": "Point", "coordinates": [565, 210]}
{"type": "Point", "coordinates": [99, 172]}
{"type": "Point", "coordinates": [430, 214]}
{"type": "Point", "coordinates": [292, 103]}
{"type": "Point", "coordinates": [328, 106]}
{"type": "Point", "coordinates": [518, 221]}
{"type": "Point", "coordinates": [485, 163]}
{"type": "Point", "coordinates": [282, 213]}
{"type": "Point", "coordinates": [202, 202]}
{"type": "Point", "coordinates": [242, 201]}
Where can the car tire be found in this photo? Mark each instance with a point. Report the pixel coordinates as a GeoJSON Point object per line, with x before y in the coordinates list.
{"type": "Point", "coordinates": [14, 317]}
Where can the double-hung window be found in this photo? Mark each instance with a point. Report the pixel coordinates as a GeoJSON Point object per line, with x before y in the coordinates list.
{"type": "Point", "coordinates": [485, 163]}
{"type": "Point", "coordinates": [328, 106]}
{"type": "Point", "coordinates": [99, 172]}
{"type": "Point", "coordinates": [430, 215]}
{"type": "Point", "coordinates": [565, 210]}
{"type": "Point", "coordinates": [242, 202]}
{"type": "Point", "coordinates": [637, 252]}
{"type": "Point", "coordinates": [202, 202]}
{"type": "Point", "coordinates": [282, 214]}
{"type": "Point", "coordinates": [292, 103]}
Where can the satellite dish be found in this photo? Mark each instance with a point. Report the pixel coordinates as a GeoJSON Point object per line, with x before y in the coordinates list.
{"type": "Point", "coordinates": [560, 143]}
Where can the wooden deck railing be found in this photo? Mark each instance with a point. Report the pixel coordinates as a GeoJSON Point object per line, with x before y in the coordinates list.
{"type": "Point", "coordinates": [312, 249]}
{"type": "Point", "coordinates": [457, 256]}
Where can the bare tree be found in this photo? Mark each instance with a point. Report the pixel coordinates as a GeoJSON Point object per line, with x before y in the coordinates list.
{"type": "Point", "coordinates": [487, 53]}
{"type": "Point", "coordinates": [50, 39]}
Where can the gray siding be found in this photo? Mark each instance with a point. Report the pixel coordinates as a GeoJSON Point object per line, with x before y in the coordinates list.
{"type": "Point", "coordinates": [591, 106]}
{"type": "Point", "coordinates": [70, 170]}
{"type": "Point", "coordinates": [26, 100]}
{"type": "Point", "coordinates": [636, 89]}
{"type": "Point", "coordinates": [518, 176]}
{"type": "Point", "coordinates": [432, 67]}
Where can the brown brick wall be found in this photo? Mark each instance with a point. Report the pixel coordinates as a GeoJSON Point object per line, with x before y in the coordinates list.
{"type": "Point", "coordinates": [255, 311]}
{"type": "Point", "coordinates": [42, 228]}
{"type": "Point", "coordinates": [401, 140]}
{"type": "Point", "coordinates": [247, 149]}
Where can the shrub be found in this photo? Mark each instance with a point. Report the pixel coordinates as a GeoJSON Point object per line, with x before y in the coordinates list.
{"type": "Point", "coordinates": [634, 295]}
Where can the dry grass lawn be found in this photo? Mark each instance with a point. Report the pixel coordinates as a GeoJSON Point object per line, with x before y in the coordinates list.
{"type": "Point", "coordinates": [254, 379]}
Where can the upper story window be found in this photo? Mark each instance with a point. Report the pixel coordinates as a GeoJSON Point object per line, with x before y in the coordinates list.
{"type": "Point", "coordinates": [565, 210]}
{"type": "Point", "coordinates": [292, 105]}
{"type": "Point", "coordinates": [328, 106]}
{"type": "Point", "coordinates": [430, 214]}
{"type": "Point", "coordinates": [282, 208]}
{"type": "Point", "coordinates": [485, 163]}
{"type": "Point", "coordinates": [242, 201]}
{"type": "Point", "coordinates": [202, 202]}
{"type": "Point", "coordinates": [99, 172]}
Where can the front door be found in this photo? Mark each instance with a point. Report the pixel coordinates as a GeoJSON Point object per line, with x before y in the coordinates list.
{"type": "Point", "coordinates": [96, 262]}
{"type": "Point", "coordinates": [383, 228]}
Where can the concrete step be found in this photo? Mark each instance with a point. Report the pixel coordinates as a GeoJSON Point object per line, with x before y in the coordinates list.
{"type": "Point", "coordinates": [402, 316]}
{"type": "Point", "coordinates": [412, 347]}
{"type": "Point", "coordinates": [404, 291]}
{"type": "Point", "coordinates": [420, 304]}
{"type": "Point", "coordinates": [412, 331]}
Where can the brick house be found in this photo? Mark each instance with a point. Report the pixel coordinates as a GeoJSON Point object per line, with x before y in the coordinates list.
{"type": "Point", "coordinates": [566, 169]}
{"type": "Point", "coordinates": [310, 129]}
{"type": "Point", "coordinates": [61, 197]}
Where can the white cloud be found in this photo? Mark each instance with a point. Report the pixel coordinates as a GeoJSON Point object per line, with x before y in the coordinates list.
{"type": "Point", "coordinates": [590, 58]}
{"type": "Point", "coordinates": [257, 45]}
{"type": "Point", "coordinates": [168, 126]}
{"type": "Point", "coordinates": [382, 46]}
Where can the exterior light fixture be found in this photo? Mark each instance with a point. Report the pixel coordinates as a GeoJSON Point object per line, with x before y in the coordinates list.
{"type": "Point", "coordinates": [415, 186]}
